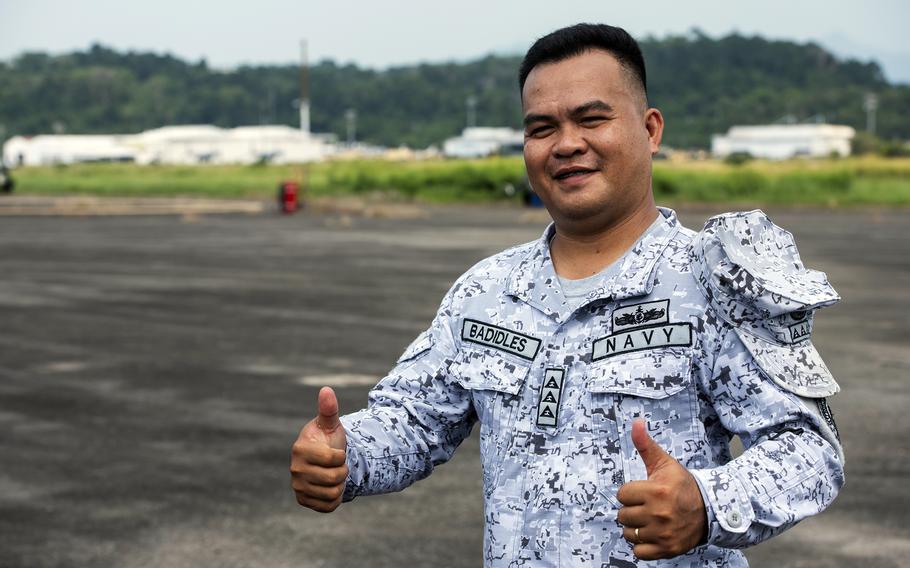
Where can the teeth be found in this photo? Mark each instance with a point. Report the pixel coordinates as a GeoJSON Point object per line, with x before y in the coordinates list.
{"type": "Point", "coordinates": [568, 175]}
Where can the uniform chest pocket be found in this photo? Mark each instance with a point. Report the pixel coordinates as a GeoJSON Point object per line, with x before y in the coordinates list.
{"type": "Point", "coordinates": [495, 382]}
{"type": "Point", "coordinates": [656, 386]}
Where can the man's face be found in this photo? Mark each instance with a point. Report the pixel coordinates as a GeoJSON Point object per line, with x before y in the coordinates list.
{"type": "Point", "coordinates": [588, 139]}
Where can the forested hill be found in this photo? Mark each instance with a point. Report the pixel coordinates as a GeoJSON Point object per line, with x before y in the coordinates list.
{"type": "Point", "coordinates": [702, 85]}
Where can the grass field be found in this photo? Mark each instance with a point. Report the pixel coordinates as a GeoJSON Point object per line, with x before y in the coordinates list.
{"type": "Point", "coordinates": [853, 181]}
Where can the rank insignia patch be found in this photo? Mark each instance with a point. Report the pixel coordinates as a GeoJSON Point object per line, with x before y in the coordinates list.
{"type": "Point", "coordinates": [548, 407]}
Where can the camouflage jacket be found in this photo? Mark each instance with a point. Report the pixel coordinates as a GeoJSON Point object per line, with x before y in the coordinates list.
{"type": "Point", "coordinates": [705, 336]}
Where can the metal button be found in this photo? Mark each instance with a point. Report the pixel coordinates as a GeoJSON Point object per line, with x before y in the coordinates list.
{"type": "Point", "coordinates": [734, 519]}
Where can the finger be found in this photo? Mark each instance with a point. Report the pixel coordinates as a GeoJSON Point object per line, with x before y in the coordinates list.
{"type": "Point", "coordinates": [318, 492]}
{"type": "Point", "coordinates": [651, 453]}
{"type": "Point", "coordinates": [628, 533]}
{"type": "Point", "coordinates": [327, 419]}
{"type": "Point", "coordinates": [317, 505]}
{"type": "Point", "coordinates": [633, 493]}
{"type": "Point", "coordinates": [632, 517]}
{"type": "Point", "coordinates": [324, 456]}
{"type": "Point", "coordinates": [649, 551]}
{"type": "Point", "coordinates": [324, 476]}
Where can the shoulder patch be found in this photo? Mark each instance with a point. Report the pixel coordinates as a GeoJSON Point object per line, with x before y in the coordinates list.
{"type": "Point", "coordinates": [826, 413]}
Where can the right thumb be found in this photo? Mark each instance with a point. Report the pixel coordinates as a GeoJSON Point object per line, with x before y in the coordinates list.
{"type": "Point", "coordinates": [327, 420]}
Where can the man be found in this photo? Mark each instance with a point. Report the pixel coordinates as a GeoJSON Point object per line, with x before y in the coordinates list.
{"type": "Point", "coordinates": [610, 362]}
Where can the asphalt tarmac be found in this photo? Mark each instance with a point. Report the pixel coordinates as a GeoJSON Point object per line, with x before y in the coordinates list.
{"type": "Point", "coordinates": [154, 371]}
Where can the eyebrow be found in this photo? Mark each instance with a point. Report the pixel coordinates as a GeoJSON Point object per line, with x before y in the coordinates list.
{"type": "Point", "coordinates": [595, 105]}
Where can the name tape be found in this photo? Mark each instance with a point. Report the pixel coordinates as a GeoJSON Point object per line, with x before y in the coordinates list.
{"type": "Point", "coordinates": [674, 334]}
{"type": "Point", "coordinates": [500, 338]}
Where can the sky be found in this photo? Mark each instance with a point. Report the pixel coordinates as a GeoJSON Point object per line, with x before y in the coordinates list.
{"type": "Point", "coordinates": [379, 34]}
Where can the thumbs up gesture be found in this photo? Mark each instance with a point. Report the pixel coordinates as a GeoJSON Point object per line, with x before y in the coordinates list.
{"type": "Point", "coordinates": [318, 458]}
{"type": "Point", "coordinates": [663, 516]}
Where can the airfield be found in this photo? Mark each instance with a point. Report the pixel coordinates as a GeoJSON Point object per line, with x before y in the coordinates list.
{"type": "Point", "coordinates": [156, 368]}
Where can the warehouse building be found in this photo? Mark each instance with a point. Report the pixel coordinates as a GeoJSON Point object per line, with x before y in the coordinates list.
{"type": "Point", "coordinates": [783, 141]}
{"type": "Point", "coordinates": [483, 141]}
{"type": "Point", "coordinates": [187, 144]}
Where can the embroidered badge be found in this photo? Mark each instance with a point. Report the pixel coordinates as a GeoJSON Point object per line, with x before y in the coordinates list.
{"type": "Point", "coordinates": [548, 407]}
{"type": "Point", "coordinates": [648, 313]}
{"type": "Point", "coordinates": [639, 339]}
{"type": "Point", "coordinates": [501, 338]}
{"type": "Point", "coordinates": [800, 331]}
{"type": "Point", "coordinates": [826, 413]}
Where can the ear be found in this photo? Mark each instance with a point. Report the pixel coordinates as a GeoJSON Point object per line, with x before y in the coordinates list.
{"type": "Point", "coordinates": [654, 124]}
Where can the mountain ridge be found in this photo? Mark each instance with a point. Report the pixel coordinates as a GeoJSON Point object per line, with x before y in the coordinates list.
{"type": "Point", "coordinates": [703, 86]}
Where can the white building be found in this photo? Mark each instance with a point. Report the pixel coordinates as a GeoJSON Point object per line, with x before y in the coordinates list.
{"type": "Point", "coordinates": [204, 144]}
{"type": "Point", "coordinates": [187, 144]}
{"type": "Point", "coordinates": [782, 141]}
{"type": "Point", "coordinates": [49, 149]}
{"type": "Point", "coordinates": [483, 141]}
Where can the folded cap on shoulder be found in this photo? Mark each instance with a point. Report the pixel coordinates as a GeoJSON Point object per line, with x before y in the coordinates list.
{"type": "Point", "coordinates": [751, 272]}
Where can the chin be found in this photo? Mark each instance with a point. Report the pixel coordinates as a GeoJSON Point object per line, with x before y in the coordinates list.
{"type": "Point", "coordinates": [579, 213]}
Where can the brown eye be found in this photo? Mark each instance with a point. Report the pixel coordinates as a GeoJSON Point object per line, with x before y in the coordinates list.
{"type": "Point", "coordinates": [540, 130]}
{"type": "Point", "coordinates": [593, 120]}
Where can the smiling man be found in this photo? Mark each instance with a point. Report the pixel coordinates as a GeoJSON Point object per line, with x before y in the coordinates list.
{"type": "Point", "coordinates": [610, 362]}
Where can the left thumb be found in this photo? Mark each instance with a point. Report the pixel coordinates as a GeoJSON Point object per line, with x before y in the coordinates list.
{"type": "Point", "coordinates": [651, 453]}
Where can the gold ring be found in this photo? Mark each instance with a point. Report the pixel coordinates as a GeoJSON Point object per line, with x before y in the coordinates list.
{"type": "Point", "coordinates": [637, 538]}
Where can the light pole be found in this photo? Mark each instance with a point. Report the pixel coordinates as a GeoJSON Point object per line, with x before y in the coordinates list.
{"type": "Point", "coordinates": [471, 104]}
{"type": "Point", "coordinates": [870, 104]}
{"type": "Point", "coordinates": [304, 104]}
{"type": "Point", "coordinates": [350, 119]}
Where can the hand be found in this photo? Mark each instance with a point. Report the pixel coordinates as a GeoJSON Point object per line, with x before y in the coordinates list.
{"type": "Point", "coordinates": [318, 468]}
{"type": "Point", "coordinates": [667, 508]}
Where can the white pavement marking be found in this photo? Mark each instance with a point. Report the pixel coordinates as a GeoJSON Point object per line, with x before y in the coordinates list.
{"type": "Point", "coordinates": [339, 380]}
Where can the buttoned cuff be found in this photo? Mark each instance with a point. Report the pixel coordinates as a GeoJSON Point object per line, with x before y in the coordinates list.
{"type": "Point", "coordinates": [353, 485]}
{"type": "Point", "coordinates": [727, 504]}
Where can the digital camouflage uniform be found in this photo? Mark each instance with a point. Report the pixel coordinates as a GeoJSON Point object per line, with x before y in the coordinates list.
{"type": "Point", "coordinates": [705, 336]}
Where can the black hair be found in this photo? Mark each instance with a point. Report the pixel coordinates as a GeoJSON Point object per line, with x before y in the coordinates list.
{"type": "Point", "coordinates": [574, 40]}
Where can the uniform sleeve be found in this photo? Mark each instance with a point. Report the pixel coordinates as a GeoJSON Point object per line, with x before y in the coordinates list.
{"type": "Point", "coordinates": [765, 383]}
{"type": "Point", "coordinates": [416, 417]}
{"type": "Point", "coordinates": [792, 466]}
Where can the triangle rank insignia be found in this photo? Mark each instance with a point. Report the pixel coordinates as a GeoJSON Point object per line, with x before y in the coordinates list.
{"type": "Point", "coordinates": [548, 407]}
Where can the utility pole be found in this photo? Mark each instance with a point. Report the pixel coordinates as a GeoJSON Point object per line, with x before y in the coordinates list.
{"type": "Point", "coordinates": [304, 89]}
{"type": "Point", "coordinates": [471, 103]}
{"type": "Point", "coordinates": [350, 119]}
{"type": "Point", "coordinates": [870, 104]}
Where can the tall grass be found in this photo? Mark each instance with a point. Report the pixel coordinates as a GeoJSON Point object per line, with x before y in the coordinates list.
{"type": "Point", "coordinates": [825, 182]}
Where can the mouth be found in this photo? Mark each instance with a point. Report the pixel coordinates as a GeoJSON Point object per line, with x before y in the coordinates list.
{"type": "Point", "coordinates": [572, 172]}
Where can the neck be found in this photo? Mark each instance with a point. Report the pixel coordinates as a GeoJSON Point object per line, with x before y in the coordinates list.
{"type": "Point", "coordinates": [579, 254]}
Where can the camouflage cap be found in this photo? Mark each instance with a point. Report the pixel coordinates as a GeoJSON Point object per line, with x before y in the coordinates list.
{"type": "Point", "coordinates": [751, 272]}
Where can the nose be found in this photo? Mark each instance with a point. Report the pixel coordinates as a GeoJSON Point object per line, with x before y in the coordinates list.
{"type": "Point", "coordinates": [571, 141]}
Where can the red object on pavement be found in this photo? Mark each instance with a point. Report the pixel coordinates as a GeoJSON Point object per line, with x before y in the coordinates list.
{"type": "Point", "coordinates": [288, 195]}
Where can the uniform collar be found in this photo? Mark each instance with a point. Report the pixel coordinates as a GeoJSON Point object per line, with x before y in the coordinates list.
{"type": "Point", "coordinates": [534, 279]}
